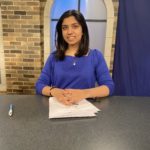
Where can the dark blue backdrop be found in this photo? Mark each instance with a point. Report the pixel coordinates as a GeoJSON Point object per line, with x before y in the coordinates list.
{"type": "Point", "coordinates": [131, 71]}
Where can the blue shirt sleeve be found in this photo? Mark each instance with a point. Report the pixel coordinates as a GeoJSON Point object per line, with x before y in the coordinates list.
{"type": "Point", "coordinates": [102, 73]}
{"type": "Point", "coordinates": [45, 76]}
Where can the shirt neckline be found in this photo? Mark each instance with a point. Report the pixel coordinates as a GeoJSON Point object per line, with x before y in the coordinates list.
{"type": "Point", "coordinates": [82, 56]}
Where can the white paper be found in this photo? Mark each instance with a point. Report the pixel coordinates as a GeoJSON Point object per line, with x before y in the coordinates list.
{"type": "Point", "coordinates": [83, 109]}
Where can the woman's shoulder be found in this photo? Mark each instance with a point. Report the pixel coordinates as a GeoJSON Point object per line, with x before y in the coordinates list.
{"type": "Point", "coordinates": [52, 55]}
{"type": "Point", "coordinates": [96, 56]}
{"type": "Point", "coordinates": [95, 53]}
{"type": "Point", "coordinates": [51, 58]}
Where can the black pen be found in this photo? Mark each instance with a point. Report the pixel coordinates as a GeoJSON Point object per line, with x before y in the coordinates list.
{"type": "Point", "coordinates": [10, 111]}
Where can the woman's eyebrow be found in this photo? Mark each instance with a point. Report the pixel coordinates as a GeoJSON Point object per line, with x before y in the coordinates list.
{"type": "Point", "coordinates": [76, 23]}
{"type": "Point", "coordinates": [64, 25]}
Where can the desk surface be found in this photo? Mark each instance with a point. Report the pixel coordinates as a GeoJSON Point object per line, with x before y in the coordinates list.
{"type": "Point", "coordinates": [123, 124]}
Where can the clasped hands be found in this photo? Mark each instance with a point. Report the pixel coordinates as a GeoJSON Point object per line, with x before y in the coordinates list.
{"type": "Point", "coordinates": [69, 96]}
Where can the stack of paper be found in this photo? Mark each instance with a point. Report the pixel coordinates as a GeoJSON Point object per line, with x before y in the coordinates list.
{"type": "Point", "coordinates": [83, 109]}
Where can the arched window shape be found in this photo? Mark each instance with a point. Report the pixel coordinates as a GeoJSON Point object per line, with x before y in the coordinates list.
{"type": "Point", "coordinates": [2, 66]}
{"type": "Point", "coordinates": [99, 15]}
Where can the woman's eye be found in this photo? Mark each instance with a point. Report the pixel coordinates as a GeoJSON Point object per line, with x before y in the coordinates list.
{"type": "Point", "coordinates": [64, 27]}
{"type": "Point", "coordinates": [75, 26]}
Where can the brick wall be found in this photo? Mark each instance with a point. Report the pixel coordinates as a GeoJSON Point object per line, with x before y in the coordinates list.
{"type": "Point", "coordinates": [22, 44]}
{"type": "Point", "coordinates": [22, 23]}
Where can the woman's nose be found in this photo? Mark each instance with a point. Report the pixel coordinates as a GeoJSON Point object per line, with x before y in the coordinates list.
{"type": "Point", "coordinates": [70, 30]}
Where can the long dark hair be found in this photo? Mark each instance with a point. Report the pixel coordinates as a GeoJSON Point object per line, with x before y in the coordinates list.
{"type": "Point", "coordinates": [60, 43]}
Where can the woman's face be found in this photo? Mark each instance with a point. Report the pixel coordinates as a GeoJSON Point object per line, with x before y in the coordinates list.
{"type": "Point", "coordinates": [71, 31]}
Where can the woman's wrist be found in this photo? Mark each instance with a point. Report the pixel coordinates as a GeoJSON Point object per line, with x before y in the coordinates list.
{"type": "Point", "coordinates": [50, 91]}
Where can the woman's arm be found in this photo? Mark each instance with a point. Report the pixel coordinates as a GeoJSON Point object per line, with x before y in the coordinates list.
{"type": "Point", "coordinates": [75, 95]}
{"type": "Point", "coordinates": [100, 91]}
{"type": "Point", "coordinates": [72, 96]}
{"type": "Point", "coordinates": [45, 79]}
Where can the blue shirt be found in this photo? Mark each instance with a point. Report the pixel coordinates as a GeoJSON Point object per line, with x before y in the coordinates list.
{"type": "Point", "coordinates": [75, 72]}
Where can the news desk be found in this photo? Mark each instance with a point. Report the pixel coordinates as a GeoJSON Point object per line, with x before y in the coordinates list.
{"type": "Point", "coordinates": [123, 124]}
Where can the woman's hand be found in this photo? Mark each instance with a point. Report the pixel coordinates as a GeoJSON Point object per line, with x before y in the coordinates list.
{"type": "Point", "coordinates": [75, 95]}
{"type": "Point", "coordinates": [61, 95]}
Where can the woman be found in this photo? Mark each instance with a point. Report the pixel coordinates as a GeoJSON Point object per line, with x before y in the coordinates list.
{"type": "Point", "coordinates": [71, 72]}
